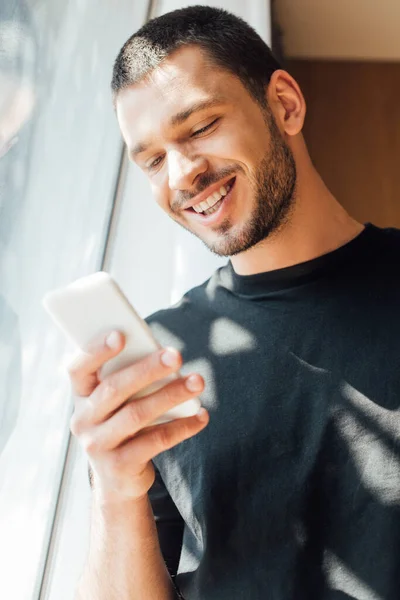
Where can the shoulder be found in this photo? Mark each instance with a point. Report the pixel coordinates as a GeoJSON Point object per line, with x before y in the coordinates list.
{"type": "Point", "coordinates": [380, 262]}
{"type": "Point", "coordinates": [385, 242]}
{"type": "Point", "coordinates": [181, 308]}
{"type": "Point", "coordinates": [176, 323]}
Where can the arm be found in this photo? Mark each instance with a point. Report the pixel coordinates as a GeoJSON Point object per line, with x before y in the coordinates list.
{"type": "Point", "coordinates": [125, 560]}
{"type": "Point", "coordinates": [168, 541]}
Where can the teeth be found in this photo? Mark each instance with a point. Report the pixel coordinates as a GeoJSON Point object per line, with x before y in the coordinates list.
{"type": "Point", "coordinates": [213, 209]}
{"type": "Point", "coordinates": [212, 200]}
{"type": "Point", "coordinates": [204, 205]}
{"type": "Point", "coordinates": [216, 196]}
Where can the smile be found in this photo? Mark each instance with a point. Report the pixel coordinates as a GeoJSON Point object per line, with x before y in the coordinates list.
{"type": "Point", "coordinates": [211, 209]}
{"type": "Point", "coordinates": [211, 204]}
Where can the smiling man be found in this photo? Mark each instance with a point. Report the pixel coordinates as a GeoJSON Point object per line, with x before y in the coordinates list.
{"type": "Point", "coordinates": [291, 489]}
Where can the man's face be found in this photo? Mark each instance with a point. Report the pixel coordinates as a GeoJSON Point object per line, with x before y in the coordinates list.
{"type": "Point", "coordinates": [201, 137]}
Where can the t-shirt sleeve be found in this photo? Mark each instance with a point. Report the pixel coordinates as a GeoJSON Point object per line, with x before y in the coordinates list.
{"type": "Point", "coordinates": [169, 523]}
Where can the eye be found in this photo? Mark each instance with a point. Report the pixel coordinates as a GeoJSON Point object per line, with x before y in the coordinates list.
{"type": "Point", "coordinates": [155, 163]}
{"type": "Point", "coordinates": [204, 129]}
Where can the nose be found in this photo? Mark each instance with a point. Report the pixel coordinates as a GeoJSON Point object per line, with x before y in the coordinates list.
{"type": "Point", "coordinates": [183, 169]}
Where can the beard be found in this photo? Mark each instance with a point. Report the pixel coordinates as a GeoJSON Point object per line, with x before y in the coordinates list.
{"type": "Point", "coordinates": [273, 186]}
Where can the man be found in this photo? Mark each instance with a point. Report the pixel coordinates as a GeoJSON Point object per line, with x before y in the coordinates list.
{"type": "Point", "coordinates": [287, 485]}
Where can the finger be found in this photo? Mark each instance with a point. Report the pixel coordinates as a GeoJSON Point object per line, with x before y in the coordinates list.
{"type": "Point", "coordinates": [146, 445]}
{"type": "Point", "coordinates": [139, 414]}
{"type": "Point", "coordinates": [118, 387]}
{"type": "Point", "coordinates": [84, 367]}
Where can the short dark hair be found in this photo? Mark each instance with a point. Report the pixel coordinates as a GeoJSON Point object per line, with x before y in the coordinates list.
{"type": "Point", "coordinates": [226, 39]}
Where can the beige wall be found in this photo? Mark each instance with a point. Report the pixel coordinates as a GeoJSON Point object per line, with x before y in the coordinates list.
{"type": "Point", "coordinates": [352, 130]}
{"type": "Point", "coordinates": [340, 29]}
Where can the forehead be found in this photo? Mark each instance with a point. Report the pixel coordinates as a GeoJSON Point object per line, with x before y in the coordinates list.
{"type": "Point", "coordinates": [183, 79]}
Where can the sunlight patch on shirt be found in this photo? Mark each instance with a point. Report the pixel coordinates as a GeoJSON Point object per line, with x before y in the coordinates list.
{"type": "Point", "coordinates": [373, 443]}
{"type": "Point", "coordinates": [228, 337]}
{"type": "Point", "coordinates": [166, 337]}
{"type": "Point", "coordinates": [342, 579]}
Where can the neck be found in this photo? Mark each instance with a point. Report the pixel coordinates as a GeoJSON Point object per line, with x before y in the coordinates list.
{"type": "Point", "coordinates": [317, 224]}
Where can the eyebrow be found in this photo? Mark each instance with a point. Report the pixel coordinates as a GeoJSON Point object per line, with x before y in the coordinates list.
{"type": "Point", "coordinates": [180, 118]}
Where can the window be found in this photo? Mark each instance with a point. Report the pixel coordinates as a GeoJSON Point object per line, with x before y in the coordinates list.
{"type": "Point", "coordinates": [60, 151]}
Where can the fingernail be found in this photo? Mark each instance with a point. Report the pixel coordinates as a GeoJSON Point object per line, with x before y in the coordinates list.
{"type": "Point", "coordinates": [169, 358]}
{"type": "Point", "coordinates": [202, 415]}
{"type": "Point", "coordinates": [193, 383]}
{"type": "Point", "coordinates": [112, 340]}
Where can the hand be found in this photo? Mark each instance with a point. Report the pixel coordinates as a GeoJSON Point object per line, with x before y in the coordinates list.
{"type": "Point", "coordinates": [117, 435]}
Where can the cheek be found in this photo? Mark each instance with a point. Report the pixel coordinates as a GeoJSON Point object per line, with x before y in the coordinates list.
{"type": "Point", "coordinates": [227, 145]}
{"type": "Point", "coordinates": [238, 145]}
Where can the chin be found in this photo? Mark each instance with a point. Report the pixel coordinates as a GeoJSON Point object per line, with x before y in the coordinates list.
{"type": "Point", "coordinates": [228, 244]}
{"type": "Point", "coordinates": [236, 240]}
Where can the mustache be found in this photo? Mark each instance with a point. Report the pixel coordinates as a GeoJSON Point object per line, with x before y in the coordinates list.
{"type": "Point", "coordinates": [204, 181]}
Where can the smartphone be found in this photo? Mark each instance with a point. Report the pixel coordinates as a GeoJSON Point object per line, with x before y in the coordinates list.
{"type": "Point", "coordinates": [95, 305]}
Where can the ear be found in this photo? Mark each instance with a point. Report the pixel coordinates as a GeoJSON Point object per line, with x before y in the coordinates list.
{"type": "Point", "coordinates": [286, 102]}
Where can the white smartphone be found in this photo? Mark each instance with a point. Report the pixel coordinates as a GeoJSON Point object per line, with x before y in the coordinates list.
{"type": "Point", "coordinates": [95, 304]}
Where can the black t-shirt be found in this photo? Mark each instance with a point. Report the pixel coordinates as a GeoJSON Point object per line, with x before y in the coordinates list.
{"type": "Point", "coordinates": [292, 492]}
